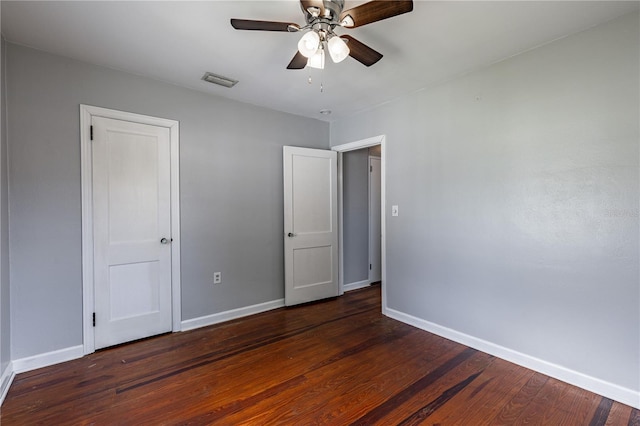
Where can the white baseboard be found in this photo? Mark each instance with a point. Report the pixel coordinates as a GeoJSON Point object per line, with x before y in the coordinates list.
{"type": "Point", "coordinates": [5, 381]}
{"type": "Point", "coordinates": [356, 285]}
{"type": "Point", "coordinates": [592, 384]}
{"type": "Point", "coordinates": [47, 359]}
{"type": "Point", "coordinates": [190, 324]}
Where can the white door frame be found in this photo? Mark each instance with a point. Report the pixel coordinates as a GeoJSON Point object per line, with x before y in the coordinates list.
{"type": "Point", "coordinates": [86, 155]}
{"type": "Point", "coordinates": [352, 146]}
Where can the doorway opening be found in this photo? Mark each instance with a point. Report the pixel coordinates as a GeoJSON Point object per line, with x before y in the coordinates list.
{"type": "Point", "coordinates": [376, 141]}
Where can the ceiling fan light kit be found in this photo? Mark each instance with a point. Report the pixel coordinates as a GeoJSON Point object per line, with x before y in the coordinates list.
{"type": "Point", "coordinates": [312, 46]}
{"type": "Point", "coordinates": [322, 17]}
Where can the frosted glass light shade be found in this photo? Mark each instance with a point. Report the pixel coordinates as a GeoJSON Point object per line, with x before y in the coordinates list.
{"type": "Point", "coordinates": [317, 60]}
{"type": "Point", "coordinates": [338, 49]}
{"type": "Point", "coordinates": [308, 44]}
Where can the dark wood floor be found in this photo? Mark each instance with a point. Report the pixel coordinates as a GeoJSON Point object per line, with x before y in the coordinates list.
{"type": "Point", "coordinates": [338, 362]}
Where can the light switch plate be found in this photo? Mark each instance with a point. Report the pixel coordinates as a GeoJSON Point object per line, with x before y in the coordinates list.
{"type": "Point", "coordinates": [394, 210]}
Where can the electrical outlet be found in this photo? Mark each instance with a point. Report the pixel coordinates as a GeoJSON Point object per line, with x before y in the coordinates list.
{"type": "Point", "coordinates": [217, 277]}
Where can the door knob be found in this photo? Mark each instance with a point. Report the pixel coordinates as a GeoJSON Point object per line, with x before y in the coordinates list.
{"type": "Point", "coordinates": [291, 235]}
{"type": "Point", "coordinates": [165, 241]}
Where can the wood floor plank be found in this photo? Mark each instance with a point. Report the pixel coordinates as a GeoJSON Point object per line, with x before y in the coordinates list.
{"type": "Point", "coordinates": [539, 407]}
{"type": "Point", "coordinates": [423, 404]}
{"type": "Point", "coordinates": [483, 399]}
{"type": "Point", "coordinates": [336, 362]}
{"type": "Point", "coordinates": [405, 394]}
{"type": "Point", "coordinates": [601, 414]}
{"type": "Point", "coordinates": [584, 405]}
{"type": "Point", "coordinates": [619, 415]}
{"type": "Point", "coordinates": [516, 406]}
{"type": "Point", "coordinates": [360, 395]}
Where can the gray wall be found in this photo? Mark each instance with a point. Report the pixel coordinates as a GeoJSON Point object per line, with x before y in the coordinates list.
{"type": "Point", "coordinates": [230, 189]}
{"type": "Point", "coordinates": [355, 165]}
{"type": "Point", "coordinates": [5, 318]}
{"type": "Point", "coordinates": [518, 193]}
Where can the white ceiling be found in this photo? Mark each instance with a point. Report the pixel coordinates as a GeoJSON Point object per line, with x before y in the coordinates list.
{"type": "Point", "coordinates": [178, 42]}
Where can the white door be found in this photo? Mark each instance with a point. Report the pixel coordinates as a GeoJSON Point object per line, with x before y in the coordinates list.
{"type": "Point", "coordinates": [132, 230]}
{"type": "Point", "coordinates": [375, 224]}
{"type": "Point", "coordinates": [310, 224]}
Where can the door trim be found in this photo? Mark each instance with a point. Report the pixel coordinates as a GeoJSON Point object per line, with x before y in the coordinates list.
{"type": "Point", "coordinates": [352, 146]}
{"type": "Point", "coordinates": [86, 166]}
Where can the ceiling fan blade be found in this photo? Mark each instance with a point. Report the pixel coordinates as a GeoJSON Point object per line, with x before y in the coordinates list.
{"type": "Point", "coordinates": [248, 24]}
{"type": "Point", "coordinates": [306, 4]}
{"type": "Point", "coordinates": [361, 52]}
{"type": "Point", "coordinates": [373, 11]}
{"type": "Point", "coordinates": [298, 62]}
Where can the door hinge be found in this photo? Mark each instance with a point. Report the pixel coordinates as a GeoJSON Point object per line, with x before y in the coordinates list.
{"type": "Point", "coordinates": [369, 269]}
{"type": "Point", "coordinates": [94, 319]}
{"type": "Point", "coordinates": [371, 169]}
{"type": "Point", "coordinates": [91, 132]}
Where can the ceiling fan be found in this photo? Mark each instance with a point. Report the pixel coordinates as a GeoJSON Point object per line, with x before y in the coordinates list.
{"type": "Point", "coordinates": [322, 17]}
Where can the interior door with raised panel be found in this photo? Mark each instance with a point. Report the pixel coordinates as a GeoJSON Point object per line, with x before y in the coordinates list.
{"type": "Point", "coordinates": [310, 224]}
{"type": "Point", "coordinates": [132, 230]}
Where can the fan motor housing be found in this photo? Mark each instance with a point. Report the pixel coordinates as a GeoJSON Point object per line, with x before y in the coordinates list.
{"type": "Point", "coordinates": [332, 10]}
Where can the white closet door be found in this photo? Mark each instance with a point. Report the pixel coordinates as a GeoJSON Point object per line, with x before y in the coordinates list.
{"type": "Point", "coordinates": [132, 230]}
{"type": "Point", "coordinates": [310, 224]}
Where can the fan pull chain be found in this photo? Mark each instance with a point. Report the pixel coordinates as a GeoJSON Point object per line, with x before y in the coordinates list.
{"type": "Point", "coordinates": [310, 81]}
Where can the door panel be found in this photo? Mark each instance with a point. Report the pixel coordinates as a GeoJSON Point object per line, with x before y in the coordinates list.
{"type": "Point", "coordinates": [311, 194]}
{"type": "Point", "coordinates": [131, 205]}
{"type": "Point", "coordinates": [132, 291]}
{"type": "Point", "coordinates": [312, 265]}
{"type": "Point", "coordinates": [310, 225]}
